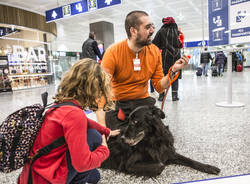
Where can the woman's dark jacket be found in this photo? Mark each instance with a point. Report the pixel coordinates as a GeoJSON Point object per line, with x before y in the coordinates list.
{"type": "Point", "coordinates": [167, 39]}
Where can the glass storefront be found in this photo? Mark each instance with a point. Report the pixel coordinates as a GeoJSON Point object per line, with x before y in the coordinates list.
{"type": "Point", "coordinates": [26, 54]}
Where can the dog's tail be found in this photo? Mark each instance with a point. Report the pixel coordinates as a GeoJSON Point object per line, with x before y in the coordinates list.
{"type": "Point", "coordinates": [182, 160]}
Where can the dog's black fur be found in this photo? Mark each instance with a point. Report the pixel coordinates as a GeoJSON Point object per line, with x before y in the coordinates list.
{"type": "Point", "coordinates": [145, 145]}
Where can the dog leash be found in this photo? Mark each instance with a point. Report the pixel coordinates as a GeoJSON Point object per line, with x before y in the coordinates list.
{"type": "Point", "coordinates": [136, 109]}
{"type": "Point", "coordinates": [170, 82]}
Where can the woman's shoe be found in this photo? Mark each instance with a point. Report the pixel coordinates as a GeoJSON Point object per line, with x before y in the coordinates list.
{"type": "Point", "coordinates": [175, 98]}
{"type": "Point", "coordinates": [161, 96]}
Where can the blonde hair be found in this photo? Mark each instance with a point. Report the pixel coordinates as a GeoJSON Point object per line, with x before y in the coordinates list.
{"type": "Point", "coordinates": [86, 82]}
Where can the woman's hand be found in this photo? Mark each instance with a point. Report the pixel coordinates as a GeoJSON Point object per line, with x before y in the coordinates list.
{"type": "Point", "coordinates": [180, 63]}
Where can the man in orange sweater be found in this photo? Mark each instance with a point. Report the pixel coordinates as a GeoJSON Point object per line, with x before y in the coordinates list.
{"type": "Point", "coordinates": [133, 62]}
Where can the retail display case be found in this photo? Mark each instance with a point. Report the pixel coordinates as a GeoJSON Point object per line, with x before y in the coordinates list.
{"type": "Point", "coordinates": [28, 74]}
{"type": "Point", "coordinates": [5, 82]}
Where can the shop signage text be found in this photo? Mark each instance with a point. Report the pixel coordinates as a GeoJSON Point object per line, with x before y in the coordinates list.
{"type": "Point", "coordinates": [20, 54]}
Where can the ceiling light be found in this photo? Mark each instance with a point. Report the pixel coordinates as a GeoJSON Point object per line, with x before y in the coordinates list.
{"type": "Point", "coordinates": [180, 16]}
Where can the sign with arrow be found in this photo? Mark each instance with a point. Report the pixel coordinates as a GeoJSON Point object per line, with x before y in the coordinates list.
{"type": "Point", "coordinates": [78, 8]}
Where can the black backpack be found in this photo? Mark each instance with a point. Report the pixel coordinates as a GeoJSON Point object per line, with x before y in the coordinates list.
{"type": "Point", "coordinates": [18, 132]}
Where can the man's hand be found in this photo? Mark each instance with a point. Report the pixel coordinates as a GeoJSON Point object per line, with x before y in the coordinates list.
{"type": "Point", "coordinates": [180, 63]}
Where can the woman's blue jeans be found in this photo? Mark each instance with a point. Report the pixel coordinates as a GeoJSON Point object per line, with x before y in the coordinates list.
{"type": "Point", "coordinates": [94, 140]}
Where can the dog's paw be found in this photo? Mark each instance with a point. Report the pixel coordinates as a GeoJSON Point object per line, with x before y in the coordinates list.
{"type": "Point", "coordinates": [211, 169]}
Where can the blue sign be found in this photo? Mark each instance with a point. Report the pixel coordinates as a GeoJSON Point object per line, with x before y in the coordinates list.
{"type": "Point", "coordinates": [78, 8]}
{"type": "Point", "coordinates": [240, 32]}
{"type": "Point", "coordinates": [54, 14]}
{"type": "Point", "coordinates": [233, 2]}
{"type": "Point", "coordinates": [196, 44]}
{"type": "Point", "coordinates": [218, 22]}
{"type": "Point", "coordinates": [107, 3]}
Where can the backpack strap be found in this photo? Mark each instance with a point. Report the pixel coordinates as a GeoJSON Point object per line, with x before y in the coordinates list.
{"type": "Point", "coordinates": [44, 151]}
{"type": "Point", "coordinates": [55, 144]}
{"type": "Point", "coordinates": [62, 104]}
{"type": "Point", "coordinates": [44, 98]}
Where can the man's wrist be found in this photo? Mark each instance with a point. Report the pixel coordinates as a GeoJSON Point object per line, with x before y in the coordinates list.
{"type": "Point", "coordinates": [173, 70]}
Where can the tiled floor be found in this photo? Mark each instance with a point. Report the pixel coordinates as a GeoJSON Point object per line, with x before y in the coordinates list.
{"type": "Point", "coordinates": [214, 135]}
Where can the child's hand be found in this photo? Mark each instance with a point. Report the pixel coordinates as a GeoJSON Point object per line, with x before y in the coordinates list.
{"type": "Point", "coordinates": [113, 133]}
{"type": "Point", "coordinates": [104, 141]}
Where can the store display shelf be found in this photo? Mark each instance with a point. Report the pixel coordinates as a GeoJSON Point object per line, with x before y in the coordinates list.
{"type": "Point", "coordinates": [14, 64]}
{"type": "Point", "coordinates": [29, 87]}
{"type": "Point", "coordinates": [31, 75]}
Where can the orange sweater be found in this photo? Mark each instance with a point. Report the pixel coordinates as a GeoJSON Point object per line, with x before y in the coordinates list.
{"type": "Point", "coordinates": [128, 84]}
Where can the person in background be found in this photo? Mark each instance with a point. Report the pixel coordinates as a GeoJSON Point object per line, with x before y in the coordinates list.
{"type": "Point", "coordinates": [85, 148]}
{"type": "Point", "coordinates": [132, 63]}
{"type": "Point", "coordinates": [167, 40]}
{"type": "Point", "coordinates": [90, 48]}
{"type": "Point", "coordinates": [240, 58]}
{"type": "Point", "coordinates": [204, 61]}
{"type": "Point", "coordinates": [220, 60]}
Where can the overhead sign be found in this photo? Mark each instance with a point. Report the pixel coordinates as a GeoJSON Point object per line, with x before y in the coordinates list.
{"type": "Point", "coordinates": [78, 8]}
{"type": "Point", "coordinates": [196, 43]}
{"type": "Point", "coordinates": [240, 21]}
{"type": "Point", "coordinates": [218, 22]}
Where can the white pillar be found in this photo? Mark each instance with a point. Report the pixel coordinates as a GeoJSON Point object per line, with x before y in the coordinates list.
{"type": "Point", "coordinates": [229, 102]}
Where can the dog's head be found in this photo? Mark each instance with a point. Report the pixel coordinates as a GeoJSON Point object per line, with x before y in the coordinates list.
{"type": "Point", "coordinates": [143, 121]}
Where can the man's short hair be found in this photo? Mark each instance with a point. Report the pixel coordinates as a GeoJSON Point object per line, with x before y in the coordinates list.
{"type": "Point", "coordinates": [92, 35]}
{"type": "Point", "coordinates": [133, 20]}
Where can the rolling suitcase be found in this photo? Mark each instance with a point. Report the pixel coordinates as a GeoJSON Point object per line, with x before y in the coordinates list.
{"type": "Point", "coordinates": [214, 71]}
{"type": "Point", "coordinates": [198, 71]}
{"type": "Point", "coordinates": [239, 68]}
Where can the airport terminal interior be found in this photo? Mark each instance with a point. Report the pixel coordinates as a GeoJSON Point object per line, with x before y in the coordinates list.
{"type": "Point", "coordinates": [41, 40]}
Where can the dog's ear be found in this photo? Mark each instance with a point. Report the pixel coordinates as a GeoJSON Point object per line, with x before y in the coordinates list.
{"type": "Point", "coordinates": [158, 112]}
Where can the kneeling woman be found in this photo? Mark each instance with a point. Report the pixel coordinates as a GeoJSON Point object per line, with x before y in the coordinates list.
{"type": "Point", "coordinates": [85, 148]}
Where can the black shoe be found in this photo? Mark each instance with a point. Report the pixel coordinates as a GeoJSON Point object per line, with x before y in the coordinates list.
{"type": "Point", "coordinates": [175, 98]}
{"type": "Point", "coordinates": [161, 97]}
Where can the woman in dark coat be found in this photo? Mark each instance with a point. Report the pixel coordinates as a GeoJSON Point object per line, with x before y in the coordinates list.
{"type": "Point", "coordinates": [167, 39]}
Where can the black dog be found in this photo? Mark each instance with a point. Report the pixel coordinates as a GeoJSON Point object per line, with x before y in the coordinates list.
{"type": "Point", "coordinates": [145, 145]}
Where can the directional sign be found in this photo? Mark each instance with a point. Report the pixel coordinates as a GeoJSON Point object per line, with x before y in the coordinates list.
{"type": "Point", "coordinates": [240, 21]}
{"type": "Point", "coordinates": [106, 3]}
{"type": "Point", "coordinates": [196, 43]}
{"type": "Point", "coordinates": [54, 14]}
{"type": "Point", "coordinates": [218, 22]}
{"type": "Point", "coordinates": [78, 8]}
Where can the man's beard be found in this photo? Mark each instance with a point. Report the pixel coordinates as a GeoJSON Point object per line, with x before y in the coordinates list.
{"type": "Point", "coordinates": [141, 43]}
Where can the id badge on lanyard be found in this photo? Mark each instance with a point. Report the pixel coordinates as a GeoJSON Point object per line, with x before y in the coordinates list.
{"type": "Point", "coordinates": [137, 63]}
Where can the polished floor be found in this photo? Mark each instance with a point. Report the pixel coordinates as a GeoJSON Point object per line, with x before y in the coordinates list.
{"type": "Point", "coordinates": [203, 131]}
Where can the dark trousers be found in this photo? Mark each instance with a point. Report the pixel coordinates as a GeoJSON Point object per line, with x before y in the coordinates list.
{"type": "Point", "coordinates": [174, 88]}
{"type": "Point", "coordinates": [94, 140]}
{"type": "Point", "coordinates": [151, 87]}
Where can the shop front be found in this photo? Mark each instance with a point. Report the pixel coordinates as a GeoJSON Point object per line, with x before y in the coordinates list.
{"type": "Point", "coordinates": [25, 50]}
